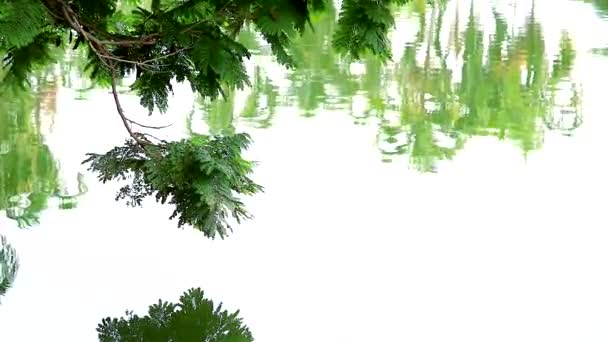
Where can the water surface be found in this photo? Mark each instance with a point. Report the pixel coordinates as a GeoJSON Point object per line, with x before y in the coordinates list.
{"type": "Point", "coordinates": [454, 193]}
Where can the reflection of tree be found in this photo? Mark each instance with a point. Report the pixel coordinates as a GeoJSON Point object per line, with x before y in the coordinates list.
{"type": "Point", "coordinates": [503, 101]}
{"type": "Point", "coordinates": [428, 102]}
{"type": "Point", "coordinates": [318, 66]}
{"type": "Point", "coordinates": [258, 110]}
{"type": "Point", "coordinates": [8, 265]}
{"type": "Point", "coordinates": [28, 172]}
{"type": "Point", "coordinates": [261, 103]}
{"type": "Point", "coordinates": [566, 115]}
{"type": "Point", "coordinates": [69, 201]}
{"type": "Point", "coordinates": [219, 114]}
{"type": "Point", "coordinates": [600, 5]}
{"type": "Point", "coordinates": [448, 93]}
{"type": "Point", "coordinates": [493, 98]}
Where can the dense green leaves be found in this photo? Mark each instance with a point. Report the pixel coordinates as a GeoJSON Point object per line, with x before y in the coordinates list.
{"type": "Point", "coordinates": [200, 177]}
{"type": "Point", "coordinates": [363, 25]}
{"type": "Point", "coordinates": [22, 61]}
{"type": "Point", "coordinates": [194, 318]}
{"type": "Point", "coordinates": [166, 41]}
{"type": "Point", "coordinates": [181, 40]}
{"type": "Point", "coordinates": [26, 40]}
{"type": "Point", "coordinates": [20, 22]}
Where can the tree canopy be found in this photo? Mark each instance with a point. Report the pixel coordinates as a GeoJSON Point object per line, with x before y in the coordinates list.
{"type": "Point", "coordinates": [166, 41]}
{"type": "Point", "coordinates": [194, 318]}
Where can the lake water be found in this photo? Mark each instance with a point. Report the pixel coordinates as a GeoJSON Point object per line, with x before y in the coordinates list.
{"type": "Point", "coordinates": [456, 193]}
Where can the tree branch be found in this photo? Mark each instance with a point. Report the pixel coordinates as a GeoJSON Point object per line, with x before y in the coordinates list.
{"type": "Point", "coordinates": [120, 111]}
{"type": "Point", "coordinates": [110, 61]}
{"type": "Point", "coordinates": [145, 126]}
{"type": "Point", "coordinates": [146, 40]}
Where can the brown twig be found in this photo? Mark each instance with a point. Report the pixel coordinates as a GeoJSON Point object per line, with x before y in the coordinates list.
{"type": "Point", "coordinates": [120, 111]}
{"type": "Point", "coordinates": [145, 63]}
{"type": "Point", "coordinates": [145, 126]}
{"type": "Point", "coordinates": [70, 16]}
{"type": "Point", "coordinates": [148, 61]}
{"type": "Point", "coordinates": [151, 136]}
{"type": "Point", "coordinates": [146, 40]}
{"type": "Point", "coordinates": [104, 55]}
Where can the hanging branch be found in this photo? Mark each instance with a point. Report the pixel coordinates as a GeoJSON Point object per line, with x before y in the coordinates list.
{"type": "Point", "coordinates": [146, 126]}
{"type": "Point", "coordinates": [124, 119]}
{"type": "Point", "coordinates": [109, 61]}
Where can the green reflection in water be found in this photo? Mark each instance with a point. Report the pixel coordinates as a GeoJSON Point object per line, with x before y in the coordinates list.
{"type": "Point", "coordinates": [438, 95]}
{"type": "Point", "coordinates": [317, 67]}
{"type": "Point", "coordinates": [509, 93]}
{"type": "Point", "coordinates": [601, 6]}
{"type": "Point", "coordinates": [258, 109]}
{"type": "Point", "coordinates": [28, 171]}
{"type": "Point", "coordinates": [70, 201]}
{"type": "Point", "coordinates": [9, 265]}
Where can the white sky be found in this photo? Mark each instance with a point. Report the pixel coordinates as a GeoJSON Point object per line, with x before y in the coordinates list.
{"type": "Point", "coordinates": [344, 247]}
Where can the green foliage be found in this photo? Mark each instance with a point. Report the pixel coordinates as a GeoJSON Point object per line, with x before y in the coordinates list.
{"type": "Point", "coordinates": [20, 22]}
{"type": "Point", "coordinates": [198, 176]}
{"type": "Point", "coordinates": [27, 41]}
{"type": "Point", "coordinates": [20, 62]}
{"type": "Point", "coordinates": [507, 88]}
{"type": "Point", "coordinates": [179, 40]}
{"type": "Point", "coordinates": [364, 25]}
{"type": "Point", "coordinates": [9, 265]}
{"type": "Point", "coordinates": [194, 318]}
{"type": "Point", "coordinates": [166, 41]}
{"type": "Point", "coordinates": [190, 40]}
{"type": "Point", "coordinates": [97, 12]}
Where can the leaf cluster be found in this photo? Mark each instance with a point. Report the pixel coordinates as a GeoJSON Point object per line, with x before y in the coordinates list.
{"type": "Point", "coordinates": [183, 40]}
{"type": "Point", "coordinates": [199, 176]}
{"type": "Point", "coordinates": [164, 41]}
{"type": "Point", "coordinates": [363, 26]}
{"type": "Point", "coordinates": [27, 40]}
{"type": "Point", "coordinates": [194, 318]}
